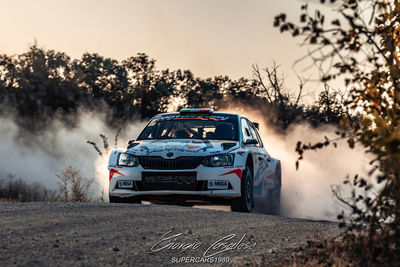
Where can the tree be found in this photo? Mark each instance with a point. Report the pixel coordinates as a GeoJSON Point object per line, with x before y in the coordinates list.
{"type": "Point", "coordinates": [40, 86]}
{"type": "Point", "coordinates": [362, 46]}
{"type": "Point", "coordinates": [105, 80]}
{"type": "Point", "coordinates": [152, 88]}
{"type": "Point", "coordinates": [283, 103]}
{"type": "Point", "coordinates": [37, 84]}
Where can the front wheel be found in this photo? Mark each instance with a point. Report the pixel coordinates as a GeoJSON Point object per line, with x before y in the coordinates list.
{"type": "Point", "coordinates": [246, 201]}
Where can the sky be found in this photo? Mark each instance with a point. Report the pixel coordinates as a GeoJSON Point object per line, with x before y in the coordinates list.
{"type": "Point", "coordinates": [209, 37]}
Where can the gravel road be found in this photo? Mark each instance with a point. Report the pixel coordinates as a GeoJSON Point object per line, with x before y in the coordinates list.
{"type": "Point", "coordinates": [103, 234]}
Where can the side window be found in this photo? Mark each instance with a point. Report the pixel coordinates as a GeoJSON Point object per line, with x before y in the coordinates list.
{"type": "Point", "coordinates": [255, 134]}
{"type": "Point", "coordinates": [246, 132]}
{"type": "Point", "coordinates": [254, 129]}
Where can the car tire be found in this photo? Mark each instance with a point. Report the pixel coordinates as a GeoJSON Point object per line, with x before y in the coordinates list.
{"type": "Point", "coordinates": [124, 200]}
{"type": "Point", "coordinates": [274, 195]}
{"type": "Point", "coordinates": [245, 202]}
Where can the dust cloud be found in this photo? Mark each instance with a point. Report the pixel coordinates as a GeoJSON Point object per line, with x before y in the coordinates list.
{"type": "Point", "coordinates": [101, 162]}
{"type": "Point", "coordinates": [38, 157]}
{"type": "Point", "coordinates": [306, 193]}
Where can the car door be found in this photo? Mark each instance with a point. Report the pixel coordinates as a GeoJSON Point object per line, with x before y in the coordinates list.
{"type": "Point", "coordinates": [260, 158]}
{"type": "Point", "coordinates": [254, 149]}
{"type": "Point", "coordinates": [267, 174]}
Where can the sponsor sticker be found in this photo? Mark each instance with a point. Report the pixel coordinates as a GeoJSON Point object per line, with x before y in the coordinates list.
{"type": "Point", "coordinates": [217, 184]}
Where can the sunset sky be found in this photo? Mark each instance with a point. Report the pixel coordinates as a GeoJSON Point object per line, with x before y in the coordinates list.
{"type": "Point", "coordinates": [209, 37]}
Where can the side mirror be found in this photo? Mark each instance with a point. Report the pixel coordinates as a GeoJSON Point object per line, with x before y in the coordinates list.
{"type": "Point", "coordinates": [257, 125]}
{"type": "Point", "coordinates": [251, 141]}
{"type": "Point", "coordinates": [131, 143]}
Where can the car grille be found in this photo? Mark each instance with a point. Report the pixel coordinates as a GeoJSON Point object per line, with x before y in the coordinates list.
{"type": "Point", "coordinates": [180, 163]}
{"type": "Point", "coordinates": [170, 181]}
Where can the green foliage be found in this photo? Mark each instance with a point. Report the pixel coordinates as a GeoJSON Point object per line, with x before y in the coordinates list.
{"type": "Point", "coordinates": [363, 43]}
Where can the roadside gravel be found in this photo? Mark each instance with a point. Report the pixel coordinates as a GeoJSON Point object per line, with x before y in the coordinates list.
{"type": "Point", "coordinates": [104, 234]}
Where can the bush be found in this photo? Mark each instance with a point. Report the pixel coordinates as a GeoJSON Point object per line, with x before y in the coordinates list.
{"type": "Point", "coordinates": [73, 187]}
{"type": "Point", "coordinates": [16, 189]}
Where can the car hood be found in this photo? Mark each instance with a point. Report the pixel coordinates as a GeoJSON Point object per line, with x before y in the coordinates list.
{"type": "Point", "coordinates": [171, 149]}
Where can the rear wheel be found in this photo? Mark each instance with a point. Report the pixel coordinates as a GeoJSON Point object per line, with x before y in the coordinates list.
{"type": "Point", "coordinates": [124, 200]}
{"type": "Point", "coordinates": [274, 195]}
{"type": "Point", "coordinates": [246, 201]}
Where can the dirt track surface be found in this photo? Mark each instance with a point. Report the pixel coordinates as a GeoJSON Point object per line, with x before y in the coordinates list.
{"type": "Point", "coordinates": [103, 234]}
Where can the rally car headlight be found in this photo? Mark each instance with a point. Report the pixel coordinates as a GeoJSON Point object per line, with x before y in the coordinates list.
{"type": "Point", "coordinates": [128, 160]}
{"type": "Point", "coordinates": [219, 160]}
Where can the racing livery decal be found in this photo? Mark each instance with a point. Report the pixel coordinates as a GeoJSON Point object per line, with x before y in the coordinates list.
{"type": "Point", "coordinates": [114, 171]}
{"type": "Point", "coordinates": [238, 172]}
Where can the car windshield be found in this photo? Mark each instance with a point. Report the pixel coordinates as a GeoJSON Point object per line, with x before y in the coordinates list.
{"type": "Point", "coordinates": [185, 126]}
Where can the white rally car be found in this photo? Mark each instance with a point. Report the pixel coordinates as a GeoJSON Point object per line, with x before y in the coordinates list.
{"type": "Point", "coordinates": [197, 154]}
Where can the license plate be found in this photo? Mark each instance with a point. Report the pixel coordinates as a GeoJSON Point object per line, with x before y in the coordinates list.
{"type": "Point", "coordinates": [125, 184]}
{"type": "Point", "coordinates": [217, 184]}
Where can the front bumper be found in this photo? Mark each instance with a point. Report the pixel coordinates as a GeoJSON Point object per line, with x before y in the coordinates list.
{"type": "Point", "coordinates": [204, 174]}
